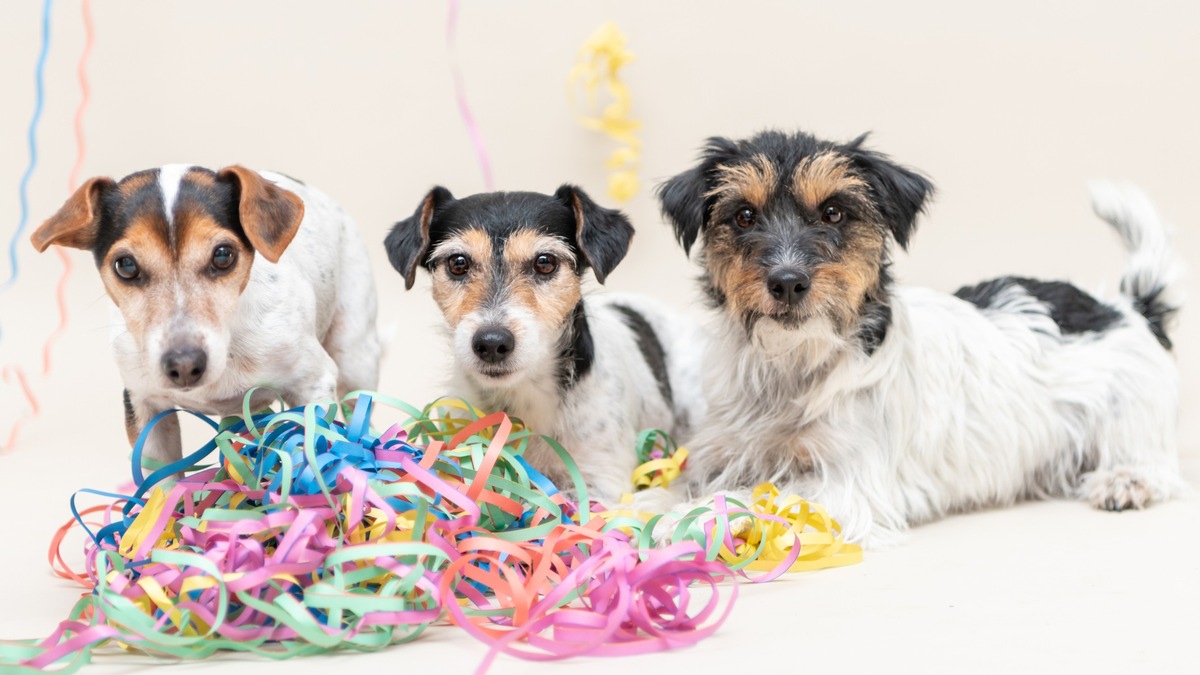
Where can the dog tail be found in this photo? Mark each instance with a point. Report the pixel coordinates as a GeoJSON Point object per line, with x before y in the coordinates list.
{"type": "Point", "coordinates": [1149, 281]}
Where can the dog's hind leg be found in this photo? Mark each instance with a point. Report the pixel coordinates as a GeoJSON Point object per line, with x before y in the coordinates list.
{"type": "Point", "coordinates": [1132, 431]}
{"type": "Point", "coordinates": [1134, 444]}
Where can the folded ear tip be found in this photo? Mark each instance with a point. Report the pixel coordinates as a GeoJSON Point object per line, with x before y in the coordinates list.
{"type": "Point", "coordinates": [569, 191]}
{"type": "Point", "coordinates": [296, 202]}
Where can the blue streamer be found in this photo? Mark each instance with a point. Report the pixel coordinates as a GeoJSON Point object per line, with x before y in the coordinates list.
{"type": "Point", "coordinates": [336, 446]}
{"type": "Point", "coordinates": [39, 101]}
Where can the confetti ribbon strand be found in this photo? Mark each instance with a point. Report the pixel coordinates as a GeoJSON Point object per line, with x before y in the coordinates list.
{"type": "Point", "coordinates": [39, 80]}
{"type": "Point", "coordinates": [293, 533]}
{"type": "Point", "coordinates": [72, 183]}
{"type": "Point", "coordinates": [460, 95]}
{"type": "Point", "coordinates": [15, 372]}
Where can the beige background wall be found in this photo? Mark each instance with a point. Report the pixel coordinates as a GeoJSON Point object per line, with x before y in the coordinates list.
{"type": "Point", "coordinates": [1010, 107]}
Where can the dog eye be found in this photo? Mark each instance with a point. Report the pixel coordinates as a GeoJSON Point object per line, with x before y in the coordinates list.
{"type": "Point", "coordinates": [223, 257]}
{"type": "Point", "coordinates": [831, 215]}
{"type": "Point", "coordinates": [126, 268]}
{"type": "Point", "coordinates": [458, 265]}
{"type": "Point", "coordinates": [545, 264]}
{"type": "Point", "coordinates": [745, 217]}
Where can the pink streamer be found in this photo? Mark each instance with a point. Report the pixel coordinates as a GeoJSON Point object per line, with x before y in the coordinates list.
{"type": "Point", "coordinates": [460, 94]}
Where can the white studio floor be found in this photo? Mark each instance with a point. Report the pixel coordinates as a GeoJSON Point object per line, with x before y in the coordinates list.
{"type": "Point", "coordinates": [1043, 587]}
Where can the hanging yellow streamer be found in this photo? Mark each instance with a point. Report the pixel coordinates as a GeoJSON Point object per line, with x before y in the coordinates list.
{"type": "Point", "coordinates": [599, 65]}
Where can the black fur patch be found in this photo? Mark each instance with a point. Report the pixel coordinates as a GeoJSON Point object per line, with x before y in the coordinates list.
{"type": "Point", "coordinates": [875, 315]}
{"type": "Point", "coordinates": [130, 416]}
{"type": "Point", "coordinates": [874, 322]}
{"type": "Point", "coordinates": [1073, 310]}
{"type": "Point", "coordinates": [578, 351]}
{"type": "Point", "coordinates": [218, 200]}
{"type": "Point", "coordinates": [1156, 311]}
{"type": "Point", "coordinates": [601, 235]}
{"type": "Point", "coordinates": [117, 210]}
{"type": "Point", "coordinates": [651, 348]}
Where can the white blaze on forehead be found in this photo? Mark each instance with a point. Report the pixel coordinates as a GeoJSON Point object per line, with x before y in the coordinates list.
{"type": "Point", "coordinates": [169, 178]}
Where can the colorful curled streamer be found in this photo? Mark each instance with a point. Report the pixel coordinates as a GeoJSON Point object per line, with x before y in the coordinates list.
{"type": "Point", "coordinates": [72, 183]}
{"type": "Point", "coordinates": [39, 81]}
{"type": "Point", "coordinates": [311, 534]}
{"type": "Point", "coordinates": [660, 460]}
{"type": "Point", "coordinates": [599, 63]}
{"type": "Point", "coordinates": [460, 95]}
{"type": "Point", "coordinates": [307, 534]}
{"type": "Point", "coordinates": [14, 372]}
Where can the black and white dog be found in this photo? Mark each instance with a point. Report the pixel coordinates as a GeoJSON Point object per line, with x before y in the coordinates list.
{"type": "Point", "coordinates": [895, 406]}
{"type": "Point", "coordinates": [590, 372]}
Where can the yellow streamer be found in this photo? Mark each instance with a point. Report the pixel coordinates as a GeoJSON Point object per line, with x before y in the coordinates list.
{"type": "Point", "coordinates": [139, 530]}
{"type": "Point", "coordinates": [660, 472]}
{"type": "Point", "coordinates": [819, 535]}
{"type": "Point", "coordinates": [599, 64]}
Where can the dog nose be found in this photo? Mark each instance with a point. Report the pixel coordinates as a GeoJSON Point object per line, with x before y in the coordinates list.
{"type": "Point", "coordinates": [788, 285]}
{"type": "Point", "coordinates": [493, 345]}
{"type": "Point", "coordinates": [184, 367]}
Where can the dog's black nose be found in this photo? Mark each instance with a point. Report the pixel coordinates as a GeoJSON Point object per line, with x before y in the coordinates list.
{"type": "Point", "coordinates": [184, 367]}
{"type": "Point", "coordinates": [788, 285]}
{"type": "Point", "coordinates": [493, 345]}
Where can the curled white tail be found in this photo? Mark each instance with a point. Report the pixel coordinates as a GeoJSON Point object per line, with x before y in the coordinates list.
{"type": "Point", "coordinates": [1149, 279]}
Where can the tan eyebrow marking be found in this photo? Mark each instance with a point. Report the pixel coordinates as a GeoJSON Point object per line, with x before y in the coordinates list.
{"type": "Point", "coordinates": [752, 181]}
{"type": "Point", "coordinates": [821, 176]}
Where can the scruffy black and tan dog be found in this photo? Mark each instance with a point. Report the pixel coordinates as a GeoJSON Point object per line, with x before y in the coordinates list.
{"type": "Point", "coordinates": [893, 406]}
{"type": "Point", "coordinates": [590, 372]}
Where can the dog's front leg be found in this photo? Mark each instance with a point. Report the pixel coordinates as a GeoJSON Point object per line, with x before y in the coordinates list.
{"type": "Point", "coordinates": [163, 443]}
{"type": "Point", "coordinates": [314, 378]}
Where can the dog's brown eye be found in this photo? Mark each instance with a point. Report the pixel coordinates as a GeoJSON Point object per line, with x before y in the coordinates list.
{"type": "Point", "coordinates": [745, 217]}
{"type": "Point", "coordinates": [223, 257]}
{"type": "Point", "coordinates": [458, 265]}
{"type": "Point", "coordinates": [126, 268]}
{"type": "Point", "coordinates": [545, 264]}
{"type": "Point", "coordinates": [832, 215]}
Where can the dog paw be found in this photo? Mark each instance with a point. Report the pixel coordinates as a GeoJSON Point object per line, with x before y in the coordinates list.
{"type": "Point", "coordinates": [654, 500]}
{"type": "Point", "coordinates": [1116, 490]}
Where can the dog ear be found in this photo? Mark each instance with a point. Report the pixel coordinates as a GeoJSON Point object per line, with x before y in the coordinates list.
{"type": "Point", "coordinates": [78, 221]}
{"type": "Point", "coordinates": [601, 234]}
{"type": "Point", "coordinates": [684, 198]}
{"type": "Point", "coordinates": [900, 193]}
{"type": "Point", "coordinates": [270, 215]}
{"type": "Point", "coordinates": [408, 242]}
